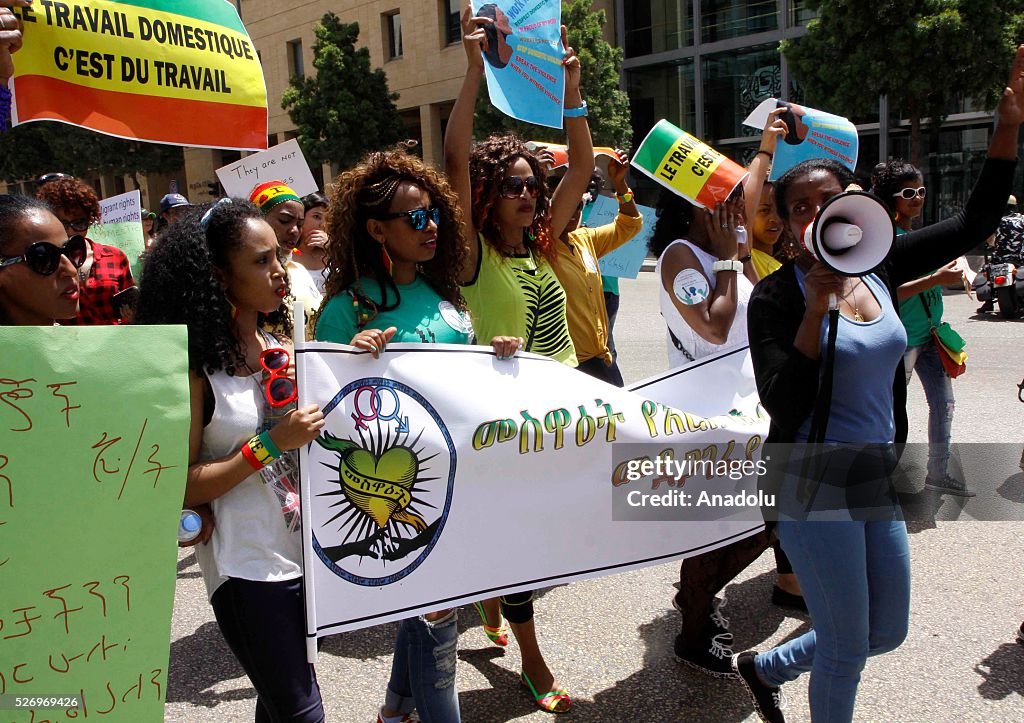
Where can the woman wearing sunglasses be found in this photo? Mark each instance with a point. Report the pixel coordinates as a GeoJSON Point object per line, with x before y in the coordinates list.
{"type": "Point", "coordinates": [855, 572]}
{"type": "Point", "coordinates": [512, 226]}
{"type": "Point", "coordinates": [38, 264]}
{"type": "Point", "coordinates": [901, 188]}
{"type": "Point", "coordinates": [394, 261]}
{"type": "Point", "coordinates": [220, 274]}
{"type": "Point", "coordinates": [106, 270]}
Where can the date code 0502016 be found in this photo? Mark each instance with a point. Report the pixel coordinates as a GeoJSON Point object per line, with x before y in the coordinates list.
{"type": "Point", "coordinates": [41, 702]}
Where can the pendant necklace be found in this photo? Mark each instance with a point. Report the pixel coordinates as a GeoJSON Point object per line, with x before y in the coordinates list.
{"type": "Point", "coordinates": [857, 316]}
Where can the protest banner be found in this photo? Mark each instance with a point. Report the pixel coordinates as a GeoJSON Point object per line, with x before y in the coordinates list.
{"type": "Point", "coordinates": [812, 134]}
{"type": "Point", "coordinates": [523, 62]}
{"type": "Point", "coordinates": [169, 71]}
{"type": "Point", "coordinates": [394, 488]}
{"type": "Point", "coordinates": [560, 152]}
{"type": "Point", "coordinates": [93, 457]}
{"type": "Point", "coordinates": [125, 236]}
{"type": "Point", "coordinates": [624, 262]}
{"type": "Point", "coordinates": [689, 167]}
{"type": "Point", "coordinates": [123, 208]}
{"type": "Point", "coordinates": [284, 162]}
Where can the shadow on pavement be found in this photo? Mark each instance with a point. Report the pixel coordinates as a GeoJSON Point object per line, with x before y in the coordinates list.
{"type": "Point", "coordinates": [200, 661]}
{"type": "Point", "coordinates": [1003, 672]}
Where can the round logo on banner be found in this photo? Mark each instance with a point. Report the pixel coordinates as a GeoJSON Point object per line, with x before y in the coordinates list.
{"type": "Point", "coordinates": [588, 260]}
{"type": "Point", "coordinates": [457, 320]}
{"type": "Point", "coordinates": [383, 472]}
{"type": "Point", "coordinates": [690, 287]}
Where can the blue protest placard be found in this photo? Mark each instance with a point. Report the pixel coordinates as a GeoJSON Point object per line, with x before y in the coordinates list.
{"type": "Point", "coordinates": [812, 134]}
{"type": "Point", "coordinates": [523, 61]}
{"type": "Point", "coordinates": [625, 261]}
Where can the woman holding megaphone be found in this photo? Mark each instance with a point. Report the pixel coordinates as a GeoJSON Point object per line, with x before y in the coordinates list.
{"type": "Point", "coordinates": [855, 573]}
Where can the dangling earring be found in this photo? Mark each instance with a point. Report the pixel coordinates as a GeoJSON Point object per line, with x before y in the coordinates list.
{"type": "Point", "coordinates": [386, 259]}
{"type": "Point", "coordinates": [231, 307]}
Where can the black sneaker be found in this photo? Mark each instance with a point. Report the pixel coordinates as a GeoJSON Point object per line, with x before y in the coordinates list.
{"type": "Point", "coordinates": [1020, 634]}
{"type": "Point", "coordinates": [784, 599]}
{"type": "Point", "coordinates": [712, 655]}
{"type": "Point", "coordinates": [950, 486]}
{"type": "Point", "coordinates": [768, 700]}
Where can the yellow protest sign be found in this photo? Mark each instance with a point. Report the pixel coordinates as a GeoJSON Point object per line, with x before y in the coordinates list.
{"type": "Point", "coordinates": [170, 71]}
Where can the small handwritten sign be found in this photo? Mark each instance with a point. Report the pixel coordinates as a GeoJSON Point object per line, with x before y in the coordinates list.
{"type": "Point", "coordinates": [93, 458]}
{"type": "Point", "coordinates": [283, 162]}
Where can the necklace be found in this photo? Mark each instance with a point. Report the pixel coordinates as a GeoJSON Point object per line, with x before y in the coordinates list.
{"type": "Point", "coordinates": [857, 316]}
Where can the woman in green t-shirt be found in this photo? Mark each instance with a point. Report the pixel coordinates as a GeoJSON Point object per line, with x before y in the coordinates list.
{"type": "Point", "coordinates": [397, 249]}
{"type": "Point", "coordinates": [900, 187]}
{"type": "Point", "coordinates": [512, 227]}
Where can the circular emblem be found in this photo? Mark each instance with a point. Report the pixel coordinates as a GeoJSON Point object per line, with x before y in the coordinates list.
{"type": "Point", "coordinates": [588, 260]}
{"type": "Point", "coordinates": [690, 287]}
{"type": "Point", "coordinates": [383, 471]}
{"type": "Point", "coordinates": [457, 320]}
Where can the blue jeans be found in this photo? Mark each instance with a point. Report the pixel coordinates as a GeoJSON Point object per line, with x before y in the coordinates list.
{"type": "Point", "coordinates": [855, 577]}
{"type": "Point", "coordinates": [938, 390]}
{"type": "Point", "coordinates": [423, 669]}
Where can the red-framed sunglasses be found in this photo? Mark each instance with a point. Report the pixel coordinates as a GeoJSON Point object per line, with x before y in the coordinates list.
{"type": "Point", "coordinates": [279, 388]}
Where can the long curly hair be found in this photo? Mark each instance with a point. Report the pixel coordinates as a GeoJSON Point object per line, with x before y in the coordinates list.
{"type": "Point", "coordinates": [675, 214]}
{"type": "Point", "coordinates": [365, 192]}
{"type": "Point", "coordinates": [71, 194]}
{"type": "Point", "coordinates": [179, 285]}
{"type": "Point", "coordinates": [489, 164]}
{"type": "Point", "coordinates": [889, 177]}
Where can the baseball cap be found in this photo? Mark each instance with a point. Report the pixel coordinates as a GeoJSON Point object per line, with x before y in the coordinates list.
{"type": "Point", "coordinates": [172, 200]}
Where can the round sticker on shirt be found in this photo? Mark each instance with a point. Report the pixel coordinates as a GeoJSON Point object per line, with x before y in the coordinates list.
{"type": "Point", "coordinates": [690, 287]}
{"type": "Point", "coordinates": [588, 260]}
{"type": "Point", "coordinates": [454, 318]}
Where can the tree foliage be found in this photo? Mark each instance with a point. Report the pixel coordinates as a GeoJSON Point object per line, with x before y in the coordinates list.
{"type": "Point", "coordinates": [922, 54]}
{"type": "Point", "coordinates": [32, 149]}
{"type": "Point", "coordinates": [601, 65]}
{"type": "Point", "coordinates": [346, 108]}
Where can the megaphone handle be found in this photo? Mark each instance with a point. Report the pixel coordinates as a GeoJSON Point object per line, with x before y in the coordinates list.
{"type": "Point", "coordinates": [833, 302]}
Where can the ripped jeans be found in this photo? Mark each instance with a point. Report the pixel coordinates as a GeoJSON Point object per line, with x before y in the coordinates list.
{"type": "Point", "coordinates": [423, 669]}
{"type": "Point", "coordinates": [938, 390]}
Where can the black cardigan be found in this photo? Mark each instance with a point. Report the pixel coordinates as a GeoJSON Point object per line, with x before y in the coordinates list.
{"type": "Point", "coordinates": [787, 380]}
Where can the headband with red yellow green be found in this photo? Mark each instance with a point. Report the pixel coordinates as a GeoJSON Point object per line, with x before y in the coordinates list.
{"type": "Point", "coordinates": [270, 194]}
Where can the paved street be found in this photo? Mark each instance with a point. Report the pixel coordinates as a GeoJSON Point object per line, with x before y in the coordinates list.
{"type": "Point", "coordinates": [610, 640]}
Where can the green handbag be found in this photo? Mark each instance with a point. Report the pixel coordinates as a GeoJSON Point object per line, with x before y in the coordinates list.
{"type": "Point", "coordinates": [946, 334]}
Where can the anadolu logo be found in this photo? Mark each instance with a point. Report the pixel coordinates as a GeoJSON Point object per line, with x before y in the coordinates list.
{"type": "Point", "coordinates": [387, 461]}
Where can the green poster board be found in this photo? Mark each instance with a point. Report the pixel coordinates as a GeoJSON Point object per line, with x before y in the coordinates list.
{"type": "Point", "coordinates": [93, 457]}
{"type": "Point", "coordinates": [126, 236]}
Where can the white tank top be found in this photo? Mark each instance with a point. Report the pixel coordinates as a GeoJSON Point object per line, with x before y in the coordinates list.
{"type": "Point", "coordinates": [693, 342]}
{"type": "Point", "coordinates": [250, 540]}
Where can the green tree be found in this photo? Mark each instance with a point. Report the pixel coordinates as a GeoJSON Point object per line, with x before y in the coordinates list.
{"type": "Point", "coordinates": [922, 54]}
{"type": "Point", "coordinates": [40, 147]}
{"type": "Point", "coordinates": [346, 108]}
{"type": "Point", "coordinates": [601, 64]}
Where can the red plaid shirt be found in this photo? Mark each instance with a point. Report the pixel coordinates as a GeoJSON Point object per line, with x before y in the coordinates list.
{"type": "Point", "coordinates": [110, 274]}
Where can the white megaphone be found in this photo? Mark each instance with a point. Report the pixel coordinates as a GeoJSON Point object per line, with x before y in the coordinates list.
{"type": "Point", "coordinates": [852, 233]}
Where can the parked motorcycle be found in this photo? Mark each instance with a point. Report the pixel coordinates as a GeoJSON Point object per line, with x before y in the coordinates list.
{"type": "Point", "coordinates": [1003, 283]}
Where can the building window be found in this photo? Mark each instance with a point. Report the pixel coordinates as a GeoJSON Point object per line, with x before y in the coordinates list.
{"type": "Point", "coordinates": [296, 67]}
{"type": "Point", "coordinates": [661, 91]}
{"type": "Point", "coordinates": [799, 13]}
{"type": "Point", "coordinates": [735, 83]}
{"type": "Point", "coordinates": [657, 26]}
{"type": "Point", "coordinates": [393, 32]}
{"type": "Point", "coordinates": [721, 19]}
{"type": "Point", "coordinates": [451, 20]}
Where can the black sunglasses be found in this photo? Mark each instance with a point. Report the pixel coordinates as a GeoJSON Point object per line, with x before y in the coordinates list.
{"type": "Point", "coordinates": [512, 186]}
{"type": "Point", "coordinates": [418, 217]}
{"type": "Point", "coordinates": [81, 225]}
{"type": "Point", "coordinates": [44, 258]}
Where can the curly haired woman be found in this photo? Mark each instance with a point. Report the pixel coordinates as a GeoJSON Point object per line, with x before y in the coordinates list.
{"type": "Point", "coordinates": [106, 270]}
{"type": "Point", "coordinates": [508, 281]}
{"type": "Point", "coordinates": [220, 274]}
{"type": "Point", "coordinates": [394, 261]}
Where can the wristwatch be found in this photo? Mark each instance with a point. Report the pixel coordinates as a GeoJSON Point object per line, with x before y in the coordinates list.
{"type": "Point", "coordinates": [727, 265]}
{"type": "Point", "coordinates": [578, 112]}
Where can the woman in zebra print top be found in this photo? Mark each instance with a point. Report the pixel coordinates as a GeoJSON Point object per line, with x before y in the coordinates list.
{"type": "Point", "coordinates": [512, 226]}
